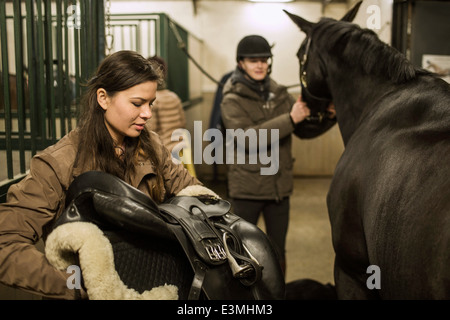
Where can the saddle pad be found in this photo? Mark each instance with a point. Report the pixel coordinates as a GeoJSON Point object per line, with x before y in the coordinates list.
{"type": "Point", "coordinates": [143, 262]}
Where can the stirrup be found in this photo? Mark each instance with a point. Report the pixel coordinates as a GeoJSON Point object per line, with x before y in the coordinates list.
{"type": "Point", "coordinates": [244, 270]}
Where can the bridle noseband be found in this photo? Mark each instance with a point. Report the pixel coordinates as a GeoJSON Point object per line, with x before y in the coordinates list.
{"type": "Point", "coordinates": [304, 85]}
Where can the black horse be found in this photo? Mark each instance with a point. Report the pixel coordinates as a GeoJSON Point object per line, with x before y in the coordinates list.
{"type": "Point", "coordinates": [389, 200]}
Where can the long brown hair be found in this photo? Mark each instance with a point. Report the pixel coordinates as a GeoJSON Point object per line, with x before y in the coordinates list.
{"type": "Point", "coordinates": [119, 71]}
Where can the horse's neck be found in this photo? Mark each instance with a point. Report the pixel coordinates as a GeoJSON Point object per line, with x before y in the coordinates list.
{"type": "Point", "coordinates": [354, 96]}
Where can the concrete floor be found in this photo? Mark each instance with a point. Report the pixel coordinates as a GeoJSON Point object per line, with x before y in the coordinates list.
{"type": "Point", "coordinates": [309, 250]}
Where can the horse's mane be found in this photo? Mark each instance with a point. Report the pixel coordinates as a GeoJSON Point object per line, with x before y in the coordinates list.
{"type": "Point", "coordinates": [362, 47]}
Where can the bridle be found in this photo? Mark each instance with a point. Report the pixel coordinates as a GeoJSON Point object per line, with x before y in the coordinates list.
{"type": "Point", "coordinates": [304, 85]}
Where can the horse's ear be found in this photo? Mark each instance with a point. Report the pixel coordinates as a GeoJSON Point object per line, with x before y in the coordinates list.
{"type": "Point", "coordinates": [349, 16]}
{"type": "Point", "coordinates": [303, 24]}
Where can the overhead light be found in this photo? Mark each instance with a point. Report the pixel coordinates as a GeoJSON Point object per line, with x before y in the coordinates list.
{"type": "Point", "coordinates": [270, 0]}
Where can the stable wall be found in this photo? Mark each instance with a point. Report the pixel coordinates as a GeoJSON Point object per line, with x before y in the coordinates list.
{"type": "Point", "coordinates": [221, 24]}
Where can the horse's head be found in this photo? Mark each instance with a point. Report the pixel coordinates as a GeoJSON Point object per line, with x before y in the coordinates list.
{"type": "Point", "coordinates": [313, 74]}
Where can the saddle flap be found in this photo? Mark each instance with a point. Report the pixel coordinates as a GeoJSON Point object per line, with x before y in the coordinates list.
{"type": "Point", "coordinates": [125, 213]}
{"type": "Point", "coordinates": [202, 238]}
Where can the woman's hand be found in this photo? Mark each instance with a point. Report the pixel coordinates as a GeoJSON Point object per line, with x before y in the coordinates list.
{"type": "Point", "coordinates": [299, 111]}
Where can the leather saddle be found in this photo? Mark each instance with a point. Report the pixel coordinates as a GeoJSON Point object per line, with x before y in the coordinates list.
{"type": "Point", "coordinates": [193, 242]}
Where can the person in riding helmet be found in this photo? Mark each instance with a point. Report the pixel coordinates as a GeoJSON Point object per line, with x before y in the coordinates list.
{"type": "Point", "coordinates": [253, 101]}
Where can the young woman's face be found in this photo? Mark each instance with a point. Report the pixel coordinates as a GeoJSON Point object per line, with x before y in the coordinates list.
{"type": "Point", "coordinates": [126, 112]}
{"type": "Point", "coordinates": [256, 68]}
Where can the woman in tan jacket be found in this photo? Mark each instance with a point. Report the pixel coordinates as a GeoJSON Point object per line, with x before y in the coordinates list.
{"type": "Point", "coordinates": [111, 137]}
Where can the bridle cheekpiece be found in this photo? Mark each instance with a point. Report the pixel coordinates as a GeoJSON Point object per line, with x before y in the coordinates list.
{"type": "Point", "coordinates": [304, 85]}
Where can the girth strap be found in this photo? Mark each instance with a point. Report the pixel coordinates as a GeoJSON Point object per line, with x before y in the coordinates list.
{"type": "Point", "coordinates": [197, 282]}
{"type": "Point", "coordinates": [198, 266]}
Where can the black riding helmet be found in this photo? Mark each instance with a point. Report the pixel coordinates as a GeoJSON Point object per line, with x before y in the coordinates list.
{"type": "Point", "coordinates": [253, 46]}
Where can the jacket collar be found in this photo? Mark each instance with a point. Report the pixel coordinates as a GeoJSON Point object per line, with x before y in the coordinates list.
{"type": "Point", "coordinates": [261, 88]}
{"type": "Point", "coordinates": [143, 168]}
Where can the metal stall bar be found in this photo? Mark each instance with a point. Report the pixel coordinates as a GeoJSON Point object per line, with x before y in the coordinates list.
{"type": "Point", "coordinates": [128, 33]}
{"type": "Point", "coordinates": [150, 24]}
{"type": "Point", "coordinates": [85, 39]}
{"type": "Point", "coordinates": [67, 81]}
{"type": "Point", "coordinates": [51, 103]}
{"type": "Point", "coordinates": [18, 50]}
{"type": "Point", "coordinates": [6, 95]}
{"type": "Point", "coordinates": [32, 83]}
{"type": "Point", "coordinates": [92, 36]}
{"type": "Point", "coordinates": [77, 55]}
{"type": "Point", "coordinates": [41, 130]}
{"type": "Point", "coordinates": [59, 69]}
{"type": "Point", "coordinates": [134, 28]}
{"type": "Point", "coordinates": [138, 36]}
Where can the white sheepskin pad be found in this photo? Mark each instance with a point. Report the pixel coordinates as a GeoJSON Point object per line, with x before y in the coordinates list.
{"type": "Point", "coordinates": [97, 263]}
{"type": "Point", "coordinates": [197, 190]}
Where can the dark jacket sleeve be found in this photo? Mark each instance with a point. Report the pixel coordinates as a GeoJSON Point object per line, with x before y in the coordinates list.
{"type": "Point", "coordinates": [234, 117]}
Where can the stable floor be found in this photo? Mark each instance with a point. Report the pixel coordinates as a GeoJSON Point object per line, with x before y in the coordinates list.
{"type": "Point", "coordinates": [309, 249]}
